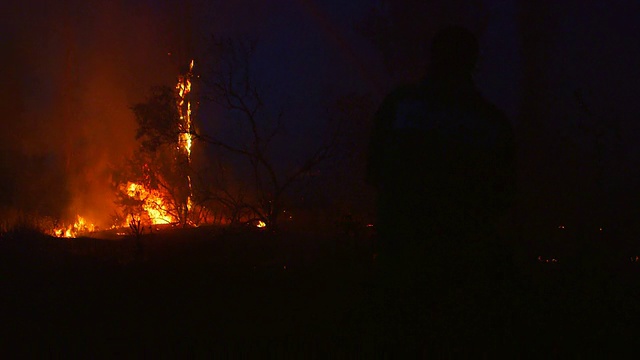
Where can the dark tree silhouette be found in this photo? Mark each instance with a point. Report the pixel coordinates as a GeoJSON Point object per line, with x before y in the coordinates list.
{"type": "Point", "coordinates": [232, 87]}
{"type": "Point", "coordinates": [136, 229]}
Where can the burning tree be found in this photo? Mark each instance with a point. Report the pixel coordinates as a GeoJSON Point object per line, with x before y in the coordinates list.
{"type": "Point", "coordinates": [161, 167]}
{"type": "Point", "coordinates": [155, 184]}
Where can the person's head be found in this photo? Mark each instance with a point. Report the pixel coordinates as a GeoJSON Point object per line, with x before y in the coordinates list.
{"type": "Point", "coordinates": [454, 51]}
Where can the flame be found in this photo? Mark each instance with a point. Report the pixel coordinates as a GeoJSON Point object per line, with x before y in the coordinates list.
{"type": "Point", "coordinates": [185, 138]}
{"type": "Point", "coordinates": [152, 203]}
{"type": "Point", "coordinates": [183, 87]}
{"type": "Point", "coordinates": [261, 224]}
{"type": "Point", "coordinates": [81, 226]}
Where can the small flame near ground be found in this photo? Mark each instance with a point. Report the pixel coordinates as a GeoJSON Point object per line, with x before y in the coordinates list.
{"type": "Point", "coordinates": [81, 226]}
{"type": "Point", "coordinates": [153, 206]}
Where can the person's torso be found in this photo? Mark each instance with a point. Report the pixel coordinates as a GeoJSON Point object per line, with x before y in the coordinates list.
{"type": "Point", "coordinates": [441, 147]}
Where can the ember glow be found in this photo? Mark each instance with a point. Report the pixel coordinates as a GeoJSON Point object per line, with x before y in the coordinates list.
{"type": "Point", "coordinates": [547, 260]}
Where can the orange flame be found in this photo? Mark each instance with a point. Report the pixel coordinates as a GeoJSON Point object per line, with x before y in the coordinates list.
{"type": "Point", "coordinates": [152, 203]}
{"type": "Point", "coordinates": [184, 89]}
{"type": "Point", "coordinates": [81, 226]}
{"type": "Point", "coordinates": [185, 139]}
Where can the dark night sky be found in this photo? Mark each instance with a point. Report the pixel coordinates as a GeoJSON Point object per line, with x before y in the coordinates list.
{"type": "Point", "coordinates": [90, 61]}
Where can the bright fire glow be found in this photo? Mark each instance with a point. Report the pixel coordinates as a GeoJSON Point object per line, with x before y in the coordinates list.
{"type": "Point", "coordinates": [152, 203]}
{"type": "Point", "coordinates": [185, 139]}
{"type": "Point", "coordinates": [261, 224]}
{"type": "Point", "coordinates": [184, 110]}
{"type": "Point", "coordinates": [81, 226]}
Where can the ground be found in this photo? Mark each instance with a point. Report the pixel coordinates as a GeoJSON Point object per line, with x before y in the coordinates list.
{"type": "Point", "coordinates": [249, 292]}
{"type": "Point", "coordinates": [192, 287]}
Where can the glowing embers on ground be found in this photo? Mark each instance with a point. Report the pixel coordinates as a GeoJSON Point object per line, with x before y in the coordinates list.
{"type": "Point", "coordinates": [152, 202]}
{"type": "Point", "coordinates": [81, 226]}
{"type": "Point", "coordinates": [547, 260]}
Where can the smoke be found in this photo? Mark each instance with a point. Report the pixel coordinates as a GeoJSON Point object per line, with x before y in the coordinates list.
{"type": "Point", "coordinates": [71, 70]}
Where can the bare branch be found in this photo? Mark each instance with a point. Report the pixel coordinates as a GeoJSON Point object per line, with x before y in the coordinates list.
{"type": "Point", "coordinates": [234, 89]}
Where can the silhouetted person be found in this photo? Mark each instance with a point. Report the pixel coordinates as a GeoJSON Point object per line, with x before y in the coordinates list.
{"type": "Point", "coordinates": [442, 159]}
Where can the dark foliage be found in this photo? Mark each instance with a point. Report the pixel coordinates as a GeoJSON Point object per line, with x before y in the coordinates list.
{"type": "Point", "coordinates": [157, 119]}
